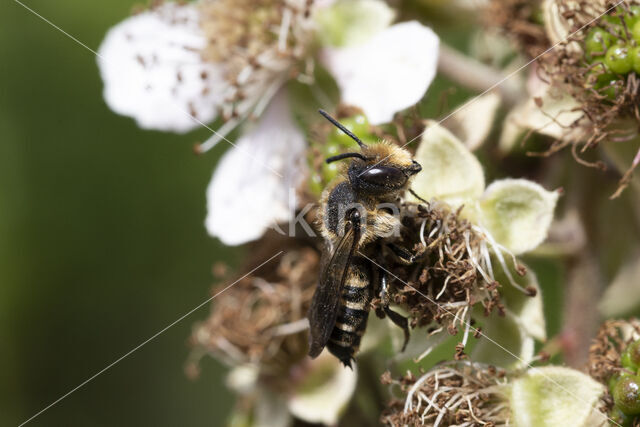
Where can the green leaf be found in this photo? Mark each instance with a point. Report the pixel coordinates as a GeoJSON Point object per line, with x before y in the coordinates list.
{"type": "Point", "coordinates": [554, 396]}
{"type": "Point", "coordinates": [351, 22]}
{"type": "Point", "coordinates": [450, 172]}
{"type": "Point", "coordinates": [518, 213]}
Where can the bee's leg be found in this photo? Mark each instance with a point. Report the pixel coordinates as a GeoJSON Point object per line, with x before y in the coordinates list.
{"type": "Point", "coordinates": [402, 253]}
{"type": "Point", "coordinates": [396, 318]}
{"type": "Point", "coordinates": [413, 193]}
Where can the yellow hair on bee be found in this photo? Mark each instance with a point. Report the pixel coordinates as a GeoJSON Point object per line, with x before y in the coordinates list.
{"type": "Point", "coordinates": [386, 152]}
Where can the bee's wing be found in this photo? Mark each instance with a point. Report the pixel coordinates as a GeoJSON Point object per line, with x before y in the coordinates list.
{"type": "Point", "coordinates": [325, 303]}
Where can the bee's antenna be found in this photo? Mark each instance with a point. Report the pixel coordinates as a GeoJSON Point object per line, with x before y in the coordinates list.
{"type": "Point", "coordinates": [342, 128]}
{"type": "Point", "coordinates": [345, 156]}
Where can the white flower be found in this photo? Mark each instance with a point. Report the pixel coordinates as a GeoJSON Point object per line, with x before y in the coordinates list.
{"type": "Point", "coordinates": [179, 66]}
{"type": "Point", "coordinates": [320, 391]}
{"type": "Point", "coordinates": [387, 73]}
{"type": "Point", "coordinates": [480, 394]}
{"type": "Point", "coordinates": [513, 216]}
{"type": "Point", "coordinates": [549, 110]}
{"type": "Point", "coordinates": [516, 213]}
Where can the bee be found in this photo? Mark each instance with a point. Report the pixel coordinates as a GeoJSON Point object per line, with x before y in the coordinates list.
{"type": "Point", "coordinates": [356, 219]}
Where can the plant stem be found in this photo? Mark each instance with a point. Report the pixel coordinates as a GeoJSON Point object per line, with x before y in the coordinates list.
{"type": "Point", "coordinates": [477, 76]}
{"type": "Point", "coordinates": [585, 282]}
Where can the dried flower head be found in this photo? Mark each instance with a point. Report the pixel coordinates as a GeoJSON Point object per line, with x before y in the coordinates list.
{"type": "Point", "coordinates": [465, 241]}
{"type": "Point", "coordinates": [520, 21]}
{"type": "Point", "coordinates": [262, 318]}
{"type": "Point", "coordinates": [262, 44]}
{"type": "Point", "coordinates": [180, 65]}
{"type": "Point", "coordinates": [610, 363]}
{"type": "Point", "coordinates": [607, 348]}
{"type": "Point", "coordinates": [258, 327]}
{"type": "Point", "coordinates": [473, 394]}
{"type": "Point", "coordinates": [454, 272]}
{"type": "Point", "coordinates": [594, 65]}
{"type": "Point", "coordinates": [462, 394]}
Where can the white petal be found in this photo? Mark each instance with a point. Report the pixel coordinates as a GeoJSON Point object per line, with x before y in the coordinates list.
{"type": "Point", "coordinates": [152, 70]}
{"type": "Point", "coordinates": [554, 396]}
{"type": "Point", "coordinates": [450, 172]}
{"type": "Point", "coordinates": [251, 186]}
{"type": "Point", "coordinates": [518, 213]}
{"type": "Point", "coordinates": [389, 73]}
{"type": "Point", "coordinates": [325, 393]}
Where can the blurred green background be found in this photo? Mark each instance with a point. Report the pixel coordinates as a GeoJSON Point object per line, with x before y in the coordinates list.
{"type": "Point", "coordinates": [102, 242]}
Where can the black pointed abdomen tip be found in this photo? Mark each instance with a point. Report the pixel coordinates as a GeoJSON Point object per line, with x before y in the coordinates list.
{"type": "Point", "coordinates": [347, 363]}
{"type": "Point", "coordinates": [315, 350]}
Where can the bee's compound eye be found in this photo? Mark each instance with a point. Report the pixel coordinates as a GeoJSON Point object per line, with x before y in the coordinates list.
{"type": "Point", "coordinates": [414, 168]}
{"type": "Point", "coordinates": [384, 176]}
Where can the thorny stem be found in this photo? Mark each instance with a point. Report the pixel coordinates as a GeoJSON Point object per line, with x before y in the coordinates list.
{"type": "Point", "coordinates": [477, 76]}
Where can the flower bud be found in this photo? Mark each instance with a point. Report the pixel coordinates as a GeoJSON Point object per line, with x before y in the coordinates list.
{"type": "Point", "coordinates": [626, 395]}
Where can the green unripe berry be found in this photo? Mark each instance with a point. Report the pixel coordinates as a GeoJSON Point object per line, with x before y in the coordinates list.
{"type": "Point", "coordinates": [610, 19]}
{"type": "Point", "coordinates": [634, 353]}
{"type": "Point", "coordinates": [613, 25]}
{"type": "Point", "coordinates": [603, 81]}
{"type": "Point", "coordinates": [633, 16]}
{"type": "Point", "coordinates": [634, 53]}
{"type": "Point", "coordinates": [631, 356]}
{"type": "Point", "coordinates": [620, 417]}
{"type": "Point", "coordinates": [613, 381]}
{"type": "Point", "coordinates": [618, 59]}
{"type": "Point", "coordinates": [635, 31]}
{"type": "Point", "coordinates": [611, 92]}
{"type": "Point", "coordinates": [626, 394]}
{"type": "Point", "coordinates": [357, 124]}
{"type": "Point", "coordinates": [597, 42]}
{"type": "Point", "coordinates": [625, 361]}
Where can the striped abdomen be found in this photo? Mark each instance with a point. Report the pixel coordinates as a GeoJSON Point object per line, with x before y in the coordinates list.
{"type": "Point", "coordinates": [352, 314]}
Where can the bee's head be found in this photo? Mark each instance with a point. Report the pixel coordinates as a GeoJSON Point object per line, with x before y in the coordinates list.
{"type": "Point", "coordinates": [379, 169]}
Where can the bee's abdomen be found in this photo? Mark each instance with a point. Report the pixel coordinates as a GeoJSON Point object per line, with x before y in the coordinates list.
{"type": "Point", "coordinates": [352, 314]}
